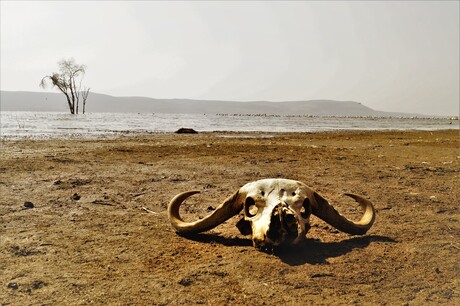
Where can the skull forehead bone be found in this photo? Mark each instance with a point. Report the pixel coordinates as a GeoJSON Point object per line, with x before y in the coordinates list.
{"type": "Point", "coordinates": [276, 212]}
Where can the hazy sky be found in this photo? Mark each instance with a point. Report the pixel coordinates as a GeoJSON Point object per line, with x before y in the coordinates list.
{"type": "Point", "coordinates": [393, 56]}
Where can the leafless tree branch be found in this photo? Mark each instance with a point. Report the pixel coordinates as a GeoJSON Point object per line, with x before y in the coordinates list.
{"type": "Point", "coordinates": [66, 80]}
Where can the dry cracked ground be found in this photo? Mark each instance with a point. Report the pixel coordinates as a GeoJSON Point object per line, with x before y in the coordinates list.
{"type": "Point", "coordinates": [83, 221]}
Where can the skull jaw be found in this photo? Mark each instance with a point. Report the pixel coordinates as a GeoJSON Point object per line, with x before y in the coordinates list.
{"type": "Point", "coordinates": [284, 229]}
{"type": "Point", "coordinates": [269, 246]}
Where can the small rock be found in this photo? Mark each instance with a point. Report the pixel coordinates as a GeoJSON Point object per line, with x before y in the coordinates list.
{"type": "Point", "coordinates": [316, 275]}
{"type": "Point", "coordinates": [13, 286]}
{"type": "Point", "coordinates": [28, 204]}
{"type": "Point", "coordinates": [185, 282]}
{"type": "Point", "coordinates": [210, 208]}
{"type": "Point", "coordinates": [38, 284]}
{"type": "Point", "coordinates": [76, 197]}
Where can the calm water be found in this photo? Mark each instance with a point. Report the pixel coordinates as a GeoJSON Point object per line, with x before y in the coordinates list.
{"type": "Point", "coordinates": [17, 125]}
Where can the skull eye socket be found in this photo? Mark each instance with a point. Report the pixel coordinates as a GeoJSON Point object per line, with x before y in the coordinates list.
{"type": "Point", "coordinates": [305, 211]}
{"type": "Point", "coordinates": [250, 208]}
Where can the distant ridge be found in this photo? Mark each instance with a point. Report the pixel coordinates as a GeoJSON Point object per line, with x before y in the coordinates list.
{"type": "Point", "coordinates": [55, 102]}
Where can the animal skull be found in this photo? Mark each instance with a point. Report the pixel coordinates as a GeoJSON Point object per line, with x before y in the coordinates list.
{"type": "Point", "coordinates": [276, 212]}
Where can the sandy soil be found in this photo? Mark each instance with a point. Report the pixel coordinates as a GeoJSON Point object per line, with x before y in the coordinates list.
{"type": "Point", "coordinates": [84, 221]}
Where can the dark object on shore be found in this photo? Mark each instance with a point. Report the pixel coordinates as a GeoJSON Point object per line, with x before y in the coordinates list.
{"type": "Point", "coordinates": [28, 204]}
{"type": "Point", "coordinates": [13, 286]}
{"type": "Point", "coordinates": [186, 131]}
{"type": "Point", "coordinates": [76, 197]}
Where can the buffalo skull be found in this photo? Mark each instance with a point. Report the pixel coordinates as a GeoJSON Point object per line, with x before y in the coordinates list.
{"type": "Point", "coordinates": [276, 212]}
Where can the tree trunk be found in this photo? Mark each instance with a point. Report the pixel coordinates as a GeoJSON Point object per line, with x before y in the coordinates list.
{"type": "Point", "coordinates": [69, 102]}
{"type": "Point", "coordinates": [84, 95]}
{"type": "Point", "coordinates": [72, 89]}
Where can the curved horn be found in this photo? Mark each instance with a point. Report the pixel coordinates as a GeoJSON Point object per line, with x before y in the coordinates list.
{"type": "Point", "coordinates": [223, 212]}
{"type": "Point", "coordinates": [326, 212]}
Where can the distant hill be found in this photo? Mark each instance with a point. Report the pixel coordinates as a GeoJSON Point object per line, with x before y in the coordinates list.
{"type": "Point", "coordinates": [55, 102]}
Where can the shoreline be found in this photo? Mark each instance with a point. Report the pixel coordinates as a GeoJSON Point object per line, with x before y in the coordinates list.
{"type": "Point", "coordinates": [45, 125]}
{"type": "Point", "coordinates": [126, 134]}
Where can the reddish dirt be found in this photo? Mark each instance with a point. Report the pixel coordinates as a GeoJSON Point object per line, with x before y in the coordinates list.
{"type": "Point", "coordinates": [98, 231]}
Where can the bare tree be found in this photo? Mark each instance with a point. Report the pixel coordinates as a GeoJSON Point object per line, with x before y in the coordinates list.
{"type": "Point", "coordinates": [84, 95]}
{"type": "Point", "coordinates": [70, 73]}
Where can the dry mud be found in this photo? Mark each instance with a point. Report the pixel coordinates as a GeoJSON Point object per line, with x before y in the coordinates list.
{"type": "Point", "coordinates": [84, 221]}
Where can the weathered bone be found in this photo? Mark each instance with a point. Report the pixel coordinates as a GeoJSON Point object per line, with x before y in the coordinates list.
{"type": "Point", "coordinates": [223, 212]}
{"type": "Point", "coordinates": [323, 210]}
{"type": "Point", "coordinates": [276, 211]}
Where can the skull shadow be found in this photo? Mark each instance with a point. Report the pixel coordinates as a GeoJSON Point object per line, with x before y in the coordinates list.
{"type": "Point", "coordinates": [216, 238]}
{"type": "Point", "coordinates": [312, 251]}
